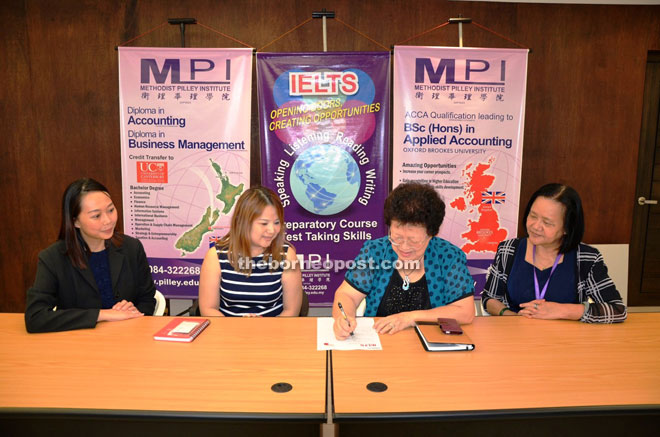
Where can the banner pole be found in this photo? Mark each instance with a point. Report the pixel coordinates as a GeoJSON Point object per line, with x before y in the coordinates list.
{"type": "Point", "coordinates": [325, 34]}
{"type": "Point", "coordinates": [324, 14]}
{"type": "Point", "coordinates": [460, 20]}
{"type": "Point", "coordinates": [460, 34]}
{"type": "Point", "coordinates": [182, 26]}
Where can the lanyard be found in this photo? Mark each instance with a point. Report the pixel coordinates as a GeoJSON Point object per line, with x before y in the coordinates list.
{"type": "Point", "coordinates": [541, 294]}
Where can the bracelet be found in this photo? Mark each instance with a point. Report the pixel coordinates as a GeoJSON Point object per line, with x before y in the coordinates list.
{"type": "Point", "coordinates": [504, 309]}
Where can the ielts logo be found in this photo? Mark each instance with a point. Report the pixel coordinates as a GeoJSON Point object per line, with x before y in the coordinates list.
{"type": "Point", "coordinates": [152, 172]}
{"type": "Point", "coordinates": [323, 83]}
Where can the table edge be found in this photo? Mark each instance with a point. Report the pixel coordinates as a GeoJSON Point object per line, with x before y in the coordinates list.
{"type": "Point", "coordinates": [642, 409]}
{"type": "Point", "coordinates": [13, 412]}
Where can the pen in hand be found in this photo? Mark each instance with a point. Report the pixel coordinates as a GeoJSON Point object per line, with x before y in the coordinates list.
{"type": "Point", "coordinates": [341, 308]}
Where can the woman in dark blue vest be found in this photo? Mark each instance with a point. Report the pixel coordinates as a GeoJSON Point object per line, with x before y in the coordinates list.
{"type": "Point", "coordinates": [551, 274]}
{"type": "Point", "coordinates": [93, 273]}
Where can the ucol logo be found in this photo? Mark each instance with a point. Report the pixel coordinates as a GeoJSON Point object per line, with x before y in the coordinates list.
{"type": "Point", "coordinates": [198, 71]}
{"type": "Point", "coordinates": [323, 83]}
{"type": "Point", "coordinates": [475, 71]}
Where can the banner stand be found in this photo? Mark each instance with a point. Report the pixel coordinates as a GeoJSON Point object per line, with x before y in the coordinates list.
{"type": "Point", "coordinates": [324, 14]}
{"type": "Point", "coordinates": [460, 20]}
{"type": "Point", "coordinates": [182, 23]}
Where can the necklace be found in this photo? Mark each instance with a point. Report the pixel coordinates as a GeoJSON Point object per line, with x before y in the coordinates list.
{"type": "Point", "coordinates": [406, 278]}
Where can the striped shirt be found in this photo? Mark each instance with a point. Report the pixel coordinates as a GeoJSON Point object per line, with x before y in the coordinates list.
{"type": "Point", "coordinates": [260, 293]}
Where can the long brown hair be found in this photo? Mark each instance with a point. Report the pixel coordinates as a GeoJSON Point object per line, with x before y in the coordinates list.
{"type": "Point", "coordinates": [76, 248]}
{"type": "Point", "coordinates": [248, 208]}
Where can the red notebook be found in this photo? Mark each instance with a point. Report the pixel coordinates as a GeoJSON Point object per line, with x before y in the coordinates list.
{"type": "Point", "coordinates": [182, 329]}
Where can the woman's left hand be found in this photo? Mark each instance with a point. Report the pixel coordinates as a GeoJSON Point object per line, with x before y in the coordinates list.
{"type": "Point", "coordinates": [394, 323]}
{"type": "Point", "coordinates": [124, 305]}
{"type": "Point", "coordinates": [540, 309]}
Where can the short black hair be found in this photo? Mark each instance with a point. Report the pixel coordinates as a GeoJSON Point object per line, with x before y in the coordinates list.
{"type": "Point", "coordinates": [416, 204]}
{"type": "Point", "coordinates": [573, 213]}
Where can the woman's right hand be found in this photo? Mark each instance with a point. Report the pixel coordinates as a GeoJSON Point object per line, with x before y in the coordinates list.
{"type": "Point", "coordinates": [117, 315]}
{"type": "Point", "coordinates": [342, 328]}
{"type": "Point", "coordinates": [350, 297]}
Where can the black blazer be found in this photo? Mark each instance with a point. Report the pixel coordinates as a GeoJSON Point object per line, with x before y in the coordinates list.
{"type": "Point", "coordinates": [74, 291]}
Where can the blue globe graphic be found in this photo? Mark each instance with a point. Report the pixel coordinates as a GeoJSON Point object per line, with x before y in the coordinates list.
{"type": "Point", "coordinates": [325, 179]}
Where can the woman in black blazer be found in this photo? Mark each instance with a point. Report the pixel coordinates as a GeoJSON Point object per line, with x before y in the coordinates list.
{"type": "Point", "coordinates": [93, 273]}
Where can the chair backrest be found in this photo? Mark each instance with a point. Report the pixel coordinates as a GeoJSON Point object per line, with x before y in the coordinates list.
{"type": "Point", "coordinates": [160, 304]}
{"type": "Point", "coordinates": [479, 309]}
{"type": "Point", "coordinates": [359, 311]}
{"type": "Point", "coordinates": [304, 307]}
{"type": "Point", "coordinates": [193, 311]}
{"type": "Point", "coordinates": [616, 260]}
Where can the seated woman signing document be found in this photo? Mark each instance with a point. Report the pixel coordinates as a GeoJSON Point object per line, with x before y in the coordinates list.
{"type": "Point", "coordinates": [410, 275]}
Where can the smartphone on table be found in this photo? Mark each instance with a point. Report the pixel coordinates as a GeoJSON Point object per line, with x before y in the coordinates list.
{"type": "Point", "coordinates": [449, 326]}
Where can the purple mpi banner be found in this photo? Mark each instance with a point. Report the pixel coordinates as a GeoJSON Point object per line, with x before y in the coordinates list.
{"type": "Point", "coordinates": [458, 125]}
{"type": "Point", "coordinates": [185, 153]}
{"type": "Point", "coordinates": [324, 134]}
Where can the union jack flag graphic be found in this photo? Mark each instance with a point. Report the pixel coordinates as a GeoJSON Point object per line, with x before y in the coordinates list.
{"type": "Point", "coordinates": [214, 239]}
{"type": "Point", "coordinates": [493, 197]}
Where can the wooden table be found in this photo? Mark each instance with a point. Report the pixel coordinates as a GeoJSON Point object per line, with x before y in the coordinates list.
{"type": "Point", "coordinates": [118, 370]}
{"type": "Point", "coordinates": [523, 373]}
{"type": "Point", "coordinates": [521, 369]}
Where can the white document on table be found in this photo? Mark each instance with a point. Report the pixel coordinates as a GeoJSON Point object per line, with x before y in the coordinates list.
{"type": "Point", "coordinates": [365, 336]}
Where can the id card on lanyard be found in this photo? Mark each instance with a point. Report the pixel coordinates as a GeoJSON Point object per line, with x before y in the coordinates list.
{"type": "Point", "coordinates": [540, 294]}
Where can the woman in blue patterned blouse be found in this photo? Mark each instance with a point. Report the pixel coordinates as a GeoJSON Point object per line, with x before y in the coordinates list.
{"type": "Point", "coordinates": [410, 275]}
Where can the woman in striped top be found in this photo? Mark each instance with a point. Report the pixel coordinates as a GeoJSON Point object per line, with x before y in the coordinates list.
{"type": "Point", "coordinates": [251, 271]}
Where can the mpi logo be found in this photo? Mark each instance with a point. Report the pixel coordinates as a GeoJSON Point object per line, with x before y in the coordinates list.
{"type": "Point", "coordinates": [154, 172]}
{"type": "Point", "coordinates": [189, 71]}
{"type": "Point", "coordinates": [460, 71]}
{"type": "Point", "coordinates": [323, 83]}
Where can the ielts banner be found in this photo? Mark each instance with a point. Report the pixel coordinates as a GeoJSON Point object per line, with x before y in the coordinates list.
{"type": "Point", "coordinates": [185, 153]}
{"type": "Point", "coordinates": [458, 125]}
{"type": "Point", "coordinates": [324, 145]}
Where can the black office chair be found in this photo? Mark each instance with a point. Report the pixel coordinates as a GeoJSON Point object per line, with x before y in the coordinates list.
{"type": "Point", "coordinates": [193, 311]}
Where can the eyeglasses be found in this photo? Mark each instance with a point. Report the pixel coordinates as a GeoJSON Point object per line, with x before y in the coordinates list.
{"type": "Point", "coordinates": [400, 241]}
